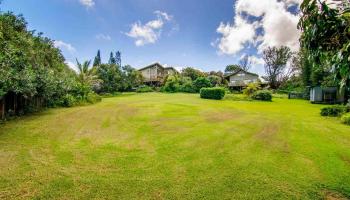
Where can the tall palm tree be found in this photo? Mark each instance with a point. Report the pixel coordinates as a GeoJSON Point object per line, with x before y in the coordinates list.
{"type": "Point", "coordinates": [87, 76]}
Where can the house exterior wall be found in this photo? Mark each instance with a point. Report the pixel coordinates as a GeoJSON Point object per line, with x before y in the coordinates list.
{"type": "Point", "coordinates": [242, 79]}
{"type": "Point", "coordinates": [154, 73]}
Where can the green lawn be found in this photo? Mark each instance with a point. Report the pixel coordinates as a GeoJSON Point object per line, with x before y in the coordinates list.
{"type": "Point", "coordinates": [176, 146]}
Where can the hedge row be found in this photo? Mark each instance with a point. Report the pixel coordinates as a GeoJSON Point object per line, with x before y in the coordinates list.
{"type": "Point", "coordinates": [212, 93]}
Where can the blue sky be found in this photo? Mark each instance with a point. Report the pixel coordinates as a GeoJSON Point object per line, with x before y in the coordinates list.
{"type": "Point", "coordinates": [206, 34]}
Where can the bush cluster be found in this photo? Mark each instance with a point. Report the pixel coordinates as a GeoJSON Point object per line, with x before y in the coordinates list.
{"type": "Point", "coordinates": [212, 93]}
{"type": "Point", "coordinates": [262, 95]}
{"type": "Point", "coordinates": [334, 111]}
{"type": "Point", "coordinates": [345, 119]}
{"type": "Point", "coordinates": [144, 89]}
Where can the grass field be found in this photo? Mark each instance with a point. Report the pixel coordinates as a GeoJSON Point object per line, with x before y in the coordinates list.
{"type": "Point", "coordinates": [176, 146]}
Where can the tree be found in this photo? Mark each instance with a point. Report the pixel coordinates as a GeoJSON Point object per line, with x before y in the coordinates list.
{"type": "Point", "coordinates": [326, 36]}
{"type": "Point", "coordinates": [111, 60]}
{"type": "Point", "coordinates": [132, 78]}
{"type": "Point", "coordinates": [245, 63]}
{"type": "Point", "coordinates": [200, 83]}
{"type": "Point", "coordinates": [276, 68]}
{"type": "Point", "coordinates": [215, 80]}
{"type": "Point", "coordinates": [111, 78]}
{"type": "Point", "coordinates": [232, 68]}
{"type": "Point", "coordinates": [118, 58]}
{"type": "Point", "coordinates": [97, 60]}
{"type": "Point", "coordinates": [192, 73]}
{"type": "Point", "coordinates": [87, 76]}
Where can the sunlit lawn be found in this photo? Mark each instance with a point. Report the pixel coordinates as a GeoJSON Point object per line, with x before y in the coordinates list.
{"type": "Point", "coordinates": [176, 146]}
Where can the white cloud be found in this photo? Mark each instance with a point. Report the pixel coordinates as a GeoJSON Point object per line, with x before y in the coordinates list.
{"type": "Point", "coordinates": [150, 32]}
{"type": "Point", "coordinates": [87, 3]}
{"type": "Point", "coordinates": [278, 24]}
{"type": "Point", "coordinates": [103, 37]}
{"type": "Point", "coordinates": [62, 45]}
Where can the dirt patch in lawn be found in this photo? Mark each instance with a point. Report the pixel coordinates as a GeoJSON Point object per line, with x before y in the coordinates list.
{"type": "Point", "coordinates": [333, 196]}
{"type": "Point", "coordinates": [269, 136]}
{"type": "Point", "coordinates": [215, 117]}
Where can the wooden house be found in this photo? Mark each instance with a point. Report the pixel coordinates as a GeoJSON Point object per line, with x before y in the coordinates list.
{"type": "Point", "coordinates": [240, 79]}
{"type": "Point", "coordinates": [154, 74]}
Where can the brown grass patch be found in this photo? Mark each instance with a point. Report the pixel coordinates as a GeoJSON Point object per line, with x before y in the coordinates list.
{"type": "Point", "coordinates": [269, 136]}
{"type": "Point", "coordinates": [214, 117]}
{"type": "Point", "coordinates": [334, 196]}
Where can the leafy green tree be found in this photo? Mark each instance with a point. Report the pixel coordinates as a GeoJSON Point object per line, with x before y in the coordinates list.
{"type": "Point", "coordinates": [112, 60]}
{"type": "Point", "coordinates": [276, 65]}
{"type": "Point", "coordinates": [87, 76]}
{"type": "Point", "coordinates": [118, 58]}
{"type": "Point", "coordinates": [111, 78]}
{"type": "Point", "coordinates": [232, 68]}
{"type": "Point", "coordinates": [215, 80]}
{"type": "Point", "coordinates": [200, 83]}
{"type": "Point", "coordinates": [326, 36]}
{"type": "Point", "coordinates": [132, 78]}
{"type": "Point", "coordinates": [172, 84]}
{"type": "Point", "coordinates": [192, 73]}
{"type": "Point", "coordinates": [97, 60]}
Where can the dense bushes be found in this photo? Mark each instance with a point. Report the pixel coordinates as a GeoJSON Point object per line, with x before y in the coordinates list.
{"type": "Point", "coordinates": [345, 119]}
{"type": "Point", "coordinates": [212, 93]}
{"type": "Point", "coordinates": [334, 111]}
{"type": "Point", "coordinates": [144, 89]}
{"type": "Point", "coordinates": [262, 95]}
{"type": "Point", "coordinates": [251, 89]}
{"type": "Point", "coordinates": [200, 83]}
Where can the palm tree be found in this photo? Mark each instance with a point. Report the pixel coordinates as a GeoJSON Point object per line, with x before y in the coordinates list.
{"type": "Point", "coordinates": [87, 76]}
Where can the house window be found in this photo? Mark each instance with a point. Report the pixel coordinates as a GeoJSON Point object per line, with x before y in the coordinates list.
{"type": "Point", "coordinates": [240, 74]}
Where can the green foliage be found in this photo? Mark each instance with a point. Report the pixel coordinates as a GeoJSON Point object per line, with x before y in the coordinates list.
{"type": "Point", "coordinates": [192, 73]}
{"type": "Point", "coordinates": [345, 119]}
{"type": "Point", "coordinates": [232, 68]}
{"type": "Point", "coordinates": [186, 85]}
{"type": "Point", "coordinates": [69, 100]}
{"type": "Point", "coordinates": [334, 111]}
{"type": "Point", "coordinates": [276, 60]}
{"type": "Point", "coordinates": [93, 98]}
{"type": "Point", "coordinates": [111, 78]}
{"type": "Point", "coordinates": [326, 36]}
{"type": "Point", "coordinates": [212, 93]}
{"type": "Point", "coordinates": [251, 89]}
{"type": "Point", "coordinates": [144, 89]}
{"type": "Point", "coordinates": [262, 95]}
{"type": "Point", "coordinates": [200, 83]}
{"type": "Point", "coordinates": [215, 80]}
{"type": "Point", "coordinates": [97, 60]}
{"type": "Point", "coordinates": [172, 84]}
{"type": "Point", "coordinates": [131, 78]}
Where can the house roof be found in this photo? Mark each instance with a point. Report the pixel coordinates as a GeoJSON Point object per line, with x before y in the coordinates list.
{"type": "Point", "coordinates": [240, 70]}
{"type": "Point", "coordinates": [152, 65]}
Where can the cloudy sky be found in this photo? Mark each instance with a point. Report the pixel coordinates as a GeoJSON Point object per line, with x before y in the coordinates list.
{"type": "Point", "coordinates": [206, 34]}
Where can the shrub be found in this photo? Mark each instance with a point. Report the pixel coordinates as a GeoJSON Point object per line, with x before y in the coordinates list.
{"type": "Point", "coordinates": [262, 95]}
{"type": "Point", "coordinates": [171, 85]}
{"type": "Point", "coordinates": [93, 98]}
{"type": "Point", "coordinates": [212, 93]}
{"type": "Point", "coordinates": [345, 119]}
{"type": "Point", "coordinates": [251, 89]}
{"type": "Point", "coordinates": [144, 89]}
{"type": "Point", "coordinates": [334, 111]}
{"type": "Point", "coordinates": [69, 100]}
{"type": "Point", "coordinates": [200, 83]}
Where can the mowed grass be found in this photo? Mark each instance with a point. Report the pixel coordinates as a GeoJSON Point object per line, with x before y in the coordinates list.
{"type": "Point", "coordinates": [176, 146]}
